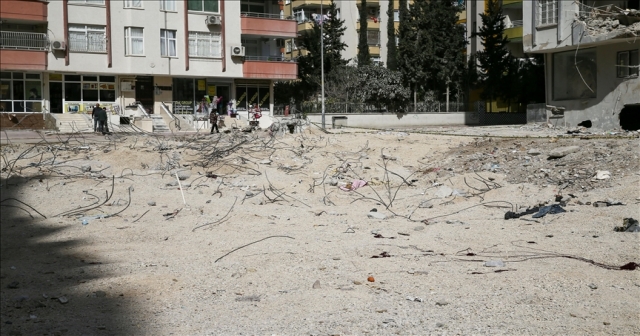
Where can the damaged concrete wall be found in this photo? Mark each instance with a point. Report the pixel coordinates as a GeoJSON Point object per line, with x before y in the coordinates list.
{"type": "Point", "coordinates": [612, 93]}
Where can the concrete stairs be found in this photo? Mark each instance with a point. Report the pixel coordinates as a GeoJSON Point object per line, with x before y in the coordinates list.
{"type": "Point", "coordinates": [73, 122]}
{"type": "Point", "coordinates": [158, 123]}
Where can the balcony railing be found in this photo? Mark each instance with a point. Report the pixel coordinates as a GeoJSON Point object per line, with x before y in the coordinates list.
{"type": "Point", "coordinates": [266, 16]}
{"type": "Point", "coordinates": [516, 23]}
{"type": "Point", "coordinates": [22, 40]}
{"type": "Point", "coordinates": [267, 58]}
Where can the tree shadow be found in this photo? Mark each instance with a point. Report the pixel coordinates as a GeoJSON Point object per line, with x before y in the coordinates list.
{"type": "Point", "coordinates": [46, 286]}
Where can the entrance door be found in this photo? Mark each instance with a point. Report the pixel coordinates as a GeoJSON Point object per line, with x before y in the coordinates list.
{"type": "Point", "coordinates": [145, 92]}
{"type": "Point", "coordinates": [55, 97]}
{"type": "Point", "coordinates": [224, 92]}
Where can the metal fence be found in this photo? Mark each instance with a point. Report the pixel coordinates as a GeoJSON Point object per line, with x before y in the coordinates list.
{"type": "Point", "coordinates": [339, 108]}
{"type": "Point", "coordinates": [267, 16]}
{"type": "Point", "coordinates": [22, 40]}
{"type": "Point", "coordinates": [268, 58]}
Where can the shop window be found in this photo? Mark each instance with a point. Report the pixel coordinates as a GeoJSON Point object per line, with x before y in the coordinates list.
{"type": "Point", "coordinates": [20, 92]}
{"type": "Point", "coordinates": [249, 95]}
{"type": "Point", "coordinates": [209, 6]}
{"type": "Point", "coordinates": [627, 64]}
{"type": "Point", "coordinates": [575, 74]}
{"type": "Point", "coordinates": [89, 88]}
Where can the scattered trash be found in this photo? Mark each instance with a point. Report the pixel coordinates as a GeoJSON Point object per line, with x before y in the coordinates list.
{"type": "Point", "coordinates": [442, 303]}
{"type": "Point", "coordinates": [151, 203]}
{"type": "Point", "coordinates": [602, 175]}
{"type": "Point", "coordinates": [355, 184]}
{"type": "Point", "coordinates": [382, 255]}
{"type": "Point", "coordinates": [593, 286]}
{"type": "Point", "coordinates": [607, 203]}
{"type": "Point", "coordinates": [85, 222]}
{"type": "Point", "coordinates": [85, 168]}
{"type": "Point", "coordinates": [376, 215]}
{"type": "Point", "coordinates": [425, 205]}
{"type": "Point", "coordinates": [444, 192]}
{"type": "Point", "coordinates": [549, 209]}
{"type": "Point", "coordinates": [316, 285]}
{"type": "Point", "coordinates": [494, 263]}
{"type": "Point", "coordinates": [628, 225]}
{"type": "Point", "coordinates": [86, 219]}
{"type": "Point", "coordinates": [249, 298]}
{"type": "Point", "coordinates": [63, 300]}
{"type": "Point", "coordinates": [511, 214]}
{"type": "Point", "coordinates": [371, 278]}
{"type": "Point", "coordinates": [414, 299]}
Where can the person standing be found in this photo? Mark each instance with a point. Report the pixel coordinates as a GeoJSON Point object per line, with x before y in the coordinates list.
{"type": "Point", "coordinates": [213, 119]}
{"type": "Point", "coordinates": [102, 119]}
{"type": "Point", "coordinates": [94, 115]}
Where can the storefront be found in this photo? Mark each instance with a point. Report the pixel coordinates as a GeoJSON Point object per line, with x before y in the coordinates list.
{"type": "Point", "coordinates": [247, 95]}
{"type": "Point", "coordinates": [20, 92]}
{"type": "Point", "coordinates": [189, 92]}
{"type": "Point", "coordinates": [80, 93]}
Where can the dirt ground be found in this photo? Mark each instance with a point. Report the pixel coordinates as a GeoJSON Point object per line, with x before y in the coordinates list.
{"type": "Point", "coordinates": [265, 241]}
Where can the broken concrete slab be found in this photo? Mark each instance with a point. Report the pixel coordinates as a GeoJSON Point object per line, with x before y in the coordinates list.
{"type": "Point", "coordinates": [563, 151]}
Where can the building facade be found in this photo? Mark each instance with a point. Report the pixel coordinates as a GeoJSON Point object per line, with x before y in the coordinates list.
{"type": "Point", "coordinates": [591, 58]}
{"type": "Point", "coordinates": [65, 56]}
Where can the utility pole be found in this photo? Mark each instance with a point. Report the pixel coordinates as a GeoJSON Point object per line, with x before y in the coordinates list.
{"type": "Point", "coordinates": [322, 59]}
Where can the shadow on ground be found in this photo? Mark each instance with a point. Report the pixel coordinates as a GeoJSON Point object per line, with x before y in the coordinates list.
{"type": "Point", "coordinates": [44, 280]}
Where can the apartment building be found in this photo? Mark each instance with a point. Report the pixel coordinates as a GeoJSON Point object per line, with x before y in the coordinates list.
{"type": "Point", "coordinates": [591, 59]}
{"type": "Point", "coordinates": [305, 12]}
{"type": "Point", "coordinates": [511, 9]}
{"type": "Point", "coordinates": [65, 56]}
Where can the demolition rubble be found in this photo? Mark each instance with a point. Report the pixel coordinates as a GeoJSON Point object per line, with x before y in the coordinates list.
{"type": "Point", "coordinates": [361, 232]}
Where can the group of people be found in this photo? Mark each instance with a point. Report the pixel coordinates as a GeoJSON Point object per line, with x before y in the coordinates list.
{"type": "Point", "coordinates": [100, 119]}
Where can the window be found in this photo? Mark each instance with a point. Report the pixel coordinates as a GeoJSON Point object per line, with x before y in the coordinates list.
{"type": "Point", "coordinates": [87, 38]}
{"type": "Point", "coordinates": [20, 92]}
{"type": "Point", "coordinates": [252, 7]}
{"type": "Point", "coordinates": [373, 37]}
{"type": "Point", "coordinates": [575, 74]}
{"type": "Point", "coordinates": [168, 5]}
{"type": "Point", "coordinates": [376, 60]}
{"type": "Point", "coordinates": [627, 64]}
{"type": "Point", "coordinates": [203, 5]}
{"type": "Point", "coordinates": [289, 46]}
{"type": "Point", "coordinates": [132, 3]}
{"type": "Point", "coordinates": [396, 15]}
{"type": "Point", "coordinates": [89, 88]}
{"type": "Point", "coordinates": [168, 43]}
{"type": "Point", "coordinates": [87, 2]}
{"type": "Point", "coordinates": [202, 44]}
{"type": "Point", "coordinates": [134, 41]}
{"type": "Point", "coordinates": [547, 12]}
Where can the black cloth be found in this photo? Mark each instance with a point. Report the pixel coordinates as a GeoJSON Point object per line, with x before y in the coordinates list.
{"type": "Point", "coordinates": [214, 125]}
{"type": "Point", "coordinates": [93, 112]}
{"type": "Point", "coordinates": [101, 114]}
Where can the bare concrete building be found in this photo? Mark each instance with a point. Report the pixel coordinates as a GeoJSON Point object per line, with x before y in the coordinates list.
{"type": "Point", "coordinates": [591, 59]}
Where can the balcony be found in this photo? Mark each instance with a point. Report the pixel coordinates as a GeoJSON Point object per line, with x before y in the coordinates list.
{"type": "Point", "coordinates": [462, 16]}
{"type": "Point", "coordinates": [372, 23]}
{"type": "Point", "coordinates": [308, 25]}
{"type": "Point", "coordinates": [23, 41]}
{"type": "Point", "coordinates": [310, 3]}
{"type": "Point", "coordinates": [266, 24]}
{"type": "Point", "coordinates": [28, 10]}
{"type": "Point", "coordinates": [269, 67]}
{"type": "Point", "coordinates": [23, 51]}
{"type": "Point", "coordinates": [514, 34]}
{"type": "Point", "coordinates": [374, 50]}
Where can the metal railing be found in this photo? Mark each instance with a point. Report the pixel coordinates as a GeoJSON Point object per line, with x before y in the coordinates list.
{"type": "Point", "coordinates": [22, 40]}
{"type": "Point", "coordinates": [268, 59]}
{"type": "Point", "coordinates": [516, 23]}
{"type": "Point", "coordinates": [175, 119]}
{"type": "Point", "coordinates": [339, 108]}
{"type": "Point", "coordinates": [143, 110]}
{"type": "Point", "coordinates": [267, 16]}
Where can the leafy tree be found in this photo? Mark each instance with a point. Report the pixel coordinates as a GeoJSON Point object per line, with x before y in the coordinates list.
{"type": "Point", "coordinates": [309, 64]}
{"type": "Point", "coordinates": [392, 51]}
{"type": "Point", "coordinates": [382, 87]}
{"type": "Point", "coordinates": [364, 57]}
{"type": "Point", "coordinates": [532, 81]}
{"type": "Point", "coordinates": [495, 61]}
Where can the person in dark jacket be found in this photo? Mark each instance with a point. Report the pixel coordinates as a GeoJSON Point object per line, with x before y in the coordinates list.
{"type": "Point", "coordinates": [95, 117]}
{"type": "Point", "coordinates": [102, 119]}
{"type": "Point", "coordinates": [213, 119]}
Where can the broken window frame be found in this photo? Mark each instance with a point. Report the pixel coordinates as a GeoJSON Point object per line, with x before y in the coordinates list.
{"type": "Point", "coordinates": [547, 13]}
{"type": "Point", "coordinates": [585, 77]}
{"type": "Point", "coordinates": [627, 64]}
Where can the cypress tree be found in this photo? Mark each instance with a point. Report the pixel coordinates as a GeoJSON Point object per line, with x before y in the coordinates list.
{"type": "Point", "coordinates": [364, 57]}
{"type": "Point", "coordinates": [495, 60]}
{"type": "Point", "coordinates": [392, 51]}
{"type": "Point", "coordinates": [333, 45]}
{"type": "Point", "coordinates": [407, 46]}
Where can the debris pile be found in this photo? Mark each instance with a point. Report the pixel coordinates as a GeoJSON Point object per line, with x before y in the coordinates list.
{"type": "Point", "coordinates": [605, 20]}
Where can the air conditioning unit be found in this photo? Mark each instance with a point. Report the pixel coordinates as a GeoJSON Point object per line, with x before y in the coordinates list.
{"type": "Point", "coordinates": [58, 45]}
{"type": "Point", "coordinates": [213, 20]}
{"type": "Point", "coordinates": [237, 51]}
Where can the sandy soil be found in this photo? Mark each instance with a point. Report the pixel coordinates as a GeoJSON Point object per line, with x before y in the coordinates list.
{"type": "Point", "coordinates": [278, 248]}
